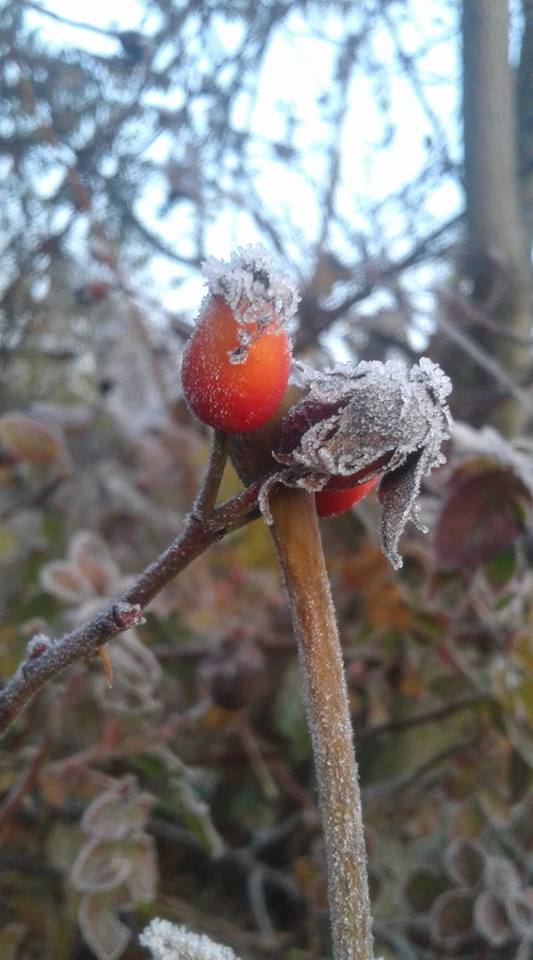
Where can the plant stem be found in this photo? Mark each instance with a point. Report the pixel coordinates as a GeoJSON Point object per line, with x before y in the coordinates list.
{"type": "Point", "coordinates": [208, 492]}
{"type": "Point", "coordinates": [297, 538]}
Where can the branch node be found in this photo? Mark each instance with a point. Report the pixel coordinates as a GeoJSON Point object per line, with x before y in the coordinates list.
{"type": "Point", "coordinates": [127, 615]}
{"type": "Point", "coordinates": [37, 645]}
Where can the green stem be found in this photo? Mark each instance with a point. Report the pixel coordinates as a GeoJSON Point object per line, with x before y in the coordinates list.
{"type": "Point", "coordinates": [297, 538]}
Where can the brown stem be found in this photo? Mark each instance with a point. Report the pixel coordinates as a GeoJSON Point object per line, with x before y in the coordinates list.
{"type": "Point", "coordinates": [208, 492]}
{"type": "Point", "coordinates": [299, 549]}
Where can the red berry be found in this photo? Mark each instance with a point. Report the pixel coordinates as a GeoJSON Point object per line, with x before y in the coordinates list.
{"type": "Point", "coordinates": [330, 502]}
{"type": "Point", "coordinates": [229, 395]}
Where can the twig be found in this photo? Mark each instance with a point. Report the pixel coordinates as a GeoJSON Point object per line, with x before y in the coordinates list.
{"type": "Point", "coordinates": [70, 23]}
{"type": "Point", "coordinates": [207, 494]}
{"type": "Point", "coordinates": [473, 315]}
{"type": "Point", "coordinates": [125, 612]}
{"type": "Point", "coordinates": [299, 548]}
{"type": "Point", "coordinates": [400, 784]}
{"type": "Point", "coordinates": [485, 361]}
{"type": "Point", "coordinates": [407, 723]}
{"type": "Point", "coordinates": [16, 794]}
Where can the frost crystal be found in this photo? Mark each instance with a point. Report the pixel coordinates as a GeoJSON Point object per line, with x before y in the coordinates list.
{"type": "Point", "coordinates": [255, 289]}
{"type": "Point", "coordinates": [166, 941]}
{"type": "Point", "coordinates": [374, 418]}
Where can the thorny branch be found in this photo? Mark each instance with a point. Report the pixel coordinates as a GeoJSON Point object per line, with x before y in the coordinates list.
{"type": "Point", "coordinates": [197, 536]}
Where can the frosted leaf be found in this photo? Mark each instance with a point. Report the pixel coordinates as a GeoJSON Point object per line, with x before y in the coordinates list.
{"type": "Point", "coordinates": [258, 293]}
{"type": "Point", "coordinates": [517, 456]}
{"type": "Point", "coordinates": [359, 421]}
{"type": "Point", "coordinates": [166, 941]}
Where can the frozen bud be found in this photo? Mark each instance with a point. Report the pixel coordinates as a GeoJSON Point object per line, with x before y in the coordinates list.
{"type": "Point", "coordinates": [366, 420]}
{"type": "Point", "coordinates": [37, 645]}
{"type": "Point", "coordinates": [127, 615]}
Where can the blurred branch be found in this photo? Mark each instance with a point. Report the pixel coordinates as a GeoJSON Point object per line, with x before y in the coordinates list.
{"type": "Point", "coordinates": [400, 784]}
{"type": "Point", "coordinates": [16, 795]}
{"type": "Point", "coordinates": [431, 716]}
{"type": "Point", "coordinates": [473, 315]}
{"type": "Point", "coordinates": [484, 360]}
{"type": "Point", "coordinates": [68, 22]}
{"type": "Point", "coordinates": [316, 319]}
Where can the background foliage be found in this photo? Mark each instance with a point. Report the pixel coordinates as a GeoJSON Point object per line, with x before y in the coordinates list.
{"type": "Point", "coordinates": [186, 790]}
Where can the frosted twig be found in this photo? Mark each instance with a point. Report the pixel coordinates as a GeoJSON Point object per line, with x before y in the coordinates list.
{"type": "Point", "coordinates": [196, 537]}
{"type": "Point", "coordinates": [297, 538]}
{"type": "Point", "coordinates": [207, 494]}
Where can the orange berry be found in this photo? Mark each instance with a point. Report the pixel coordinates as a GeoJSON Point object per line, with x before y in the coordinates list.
{"type": "Point", "coordinates": [229, 392]}
{"type": "Point", "coordinates": [330, 502]}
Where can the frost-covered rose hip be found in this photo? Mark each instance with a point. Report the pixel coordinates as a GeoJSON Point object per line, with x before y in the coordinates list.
{"type": "Point", "coordinates": [236, 364]}
{"type": "Point", "coordinates": [224, 390]}
{"type": "Point", "coordinates": [331, 502]}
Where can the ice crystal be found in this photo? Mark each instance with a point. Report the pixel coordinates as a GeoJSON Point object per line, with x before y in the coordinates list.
{"type": "Point", "coordinates": [258, 293]}
{"type": "Point", "coordinates": [166, 941]}
{"type": "Point", "coordinates": [374, 418]}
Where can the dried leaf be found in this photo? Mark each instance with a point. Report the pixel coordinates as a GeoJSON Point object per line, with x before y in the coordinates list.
{"type": "Point", "coordinates": [117, 813]}
{"type": "Point", "coordinates": [182, 799]}
{"type": "Point", "coordinates": [103, 932]}
{"type": "Point", "coordinates": [64, 581]}
{"type": "Point", "coordinates": [501, 876]}
{"type": "Point", "coordinates": [490, 918]}
{"type": "Point", "coordinates": [31, 441]}
{"type": "Point", "coordinates": [452, 917]}
{"type": "Point", "coordinates": [100, 866]}
{"type": "Point", "coordinates": [482, 517]}
{"type": "Point", "coordinates": [134, 664]}
{"type": "Point", "coordinates": [464, 862]}
{"type": "Point", "coordinates": [520, 908]}
{"type": "Point", "coordinates": [90, 555]}
{"type": "Point", "coordinates": [142, 882]}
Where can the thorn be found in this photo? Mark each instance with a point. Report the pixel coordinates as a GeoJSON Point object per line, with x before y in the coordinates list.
{"type": "Point", "coordinates": [103, 653]}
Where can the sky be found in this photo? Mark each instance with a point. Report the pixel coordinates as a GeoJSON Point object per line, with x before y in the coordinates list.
{"type": "Point", "coordinates": [297, 68]}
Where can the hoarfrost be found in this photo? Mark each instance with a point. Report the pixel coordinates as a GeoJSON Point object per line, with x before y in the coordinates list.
{"type": "Point", "coordinates": [258, 293]}
{"type": "Point", "coordinates": [166, 941]}
{"type": "Point", "coordinates": [359, 421]}
{"type": "Point", "coordinates": [517, 456]}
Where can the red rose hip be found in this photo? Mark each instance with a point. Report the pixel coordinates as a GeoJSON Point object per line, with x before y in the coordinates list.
{"type": "Point", "coordinates": [230, 387]}
{"type": "Point", "coordinates": [329, 503]}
